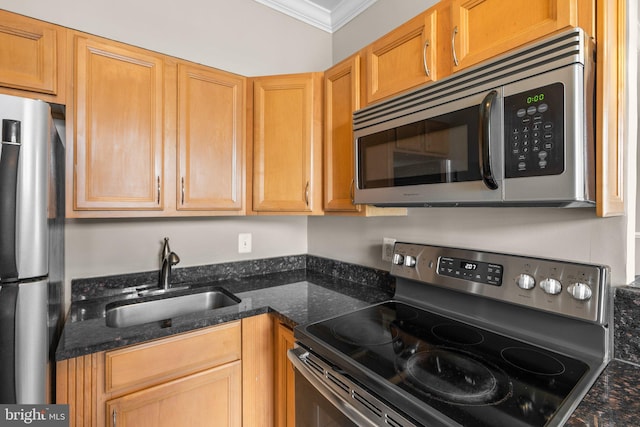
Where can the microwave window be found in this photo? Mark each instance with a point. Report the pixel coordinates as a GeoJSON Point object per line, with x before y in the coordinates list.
{"type": "Point", "coordinates": [436, 150]}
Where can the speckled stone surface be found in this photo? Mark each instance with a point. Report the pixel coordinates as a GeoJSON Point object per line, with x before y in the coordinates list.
{"type": "Point", "coordinates": [627, 323]}
{"type": "Point", "coordinates": [614, 400]}
{"type": "Point", "coordinates": [82, 289]}
{"type": "Point", "coordinates": [296, 296]}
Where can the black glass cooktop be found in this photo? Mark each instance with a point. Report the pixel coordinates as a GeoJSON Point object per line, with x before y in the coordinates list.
{"type": "Point", "coordinates": [473, 376]}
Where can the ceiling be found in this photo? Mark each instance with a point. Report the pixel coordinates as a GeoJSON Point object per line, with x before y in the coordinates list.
{"type": "Point", "coordinates": [328, 15]}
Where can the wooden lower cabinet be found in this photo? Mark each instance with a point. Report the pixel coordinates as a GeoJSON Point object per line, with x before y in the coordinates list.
{"type": "Point", "coordinates": [284, 378]}
{"type": "Point", "coordinates": [190, 379]}
{"type": "Point", "coordinates": [211, 397]}
{"type": "Point", "coordinates": [257, 371]}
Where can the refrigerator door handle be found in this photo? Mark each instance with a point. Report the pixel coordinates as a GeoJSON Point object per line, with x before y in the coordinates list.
{"type": "Point", "coordinates": [9, 157]}
{"type": "Point", "coordinates": [8, 301]}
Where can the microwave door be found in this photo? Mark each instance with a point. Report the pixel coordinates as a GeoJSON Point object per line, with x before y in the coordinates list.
{"type": "Point", "coordinates": [434, 157]}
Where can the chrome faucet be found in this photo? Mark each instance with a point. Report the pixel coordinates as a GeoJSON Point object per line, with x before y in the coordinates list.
{"type": "Point", "coordinates": [167, 259]}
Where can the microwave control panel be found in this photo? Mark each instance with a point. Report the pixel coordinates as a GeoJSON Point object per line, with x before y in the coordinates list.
{"type": "Point", "coordinates": [534, 132]}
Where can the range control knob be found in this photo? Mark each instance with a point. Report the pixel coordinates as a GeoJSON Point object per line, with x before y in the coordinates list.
{"type": "Point", "coordinates": [551, 286]}
{"type": "Point", "coordinates": [525, 281]}
{"type": "Point", "coordinates": [410, 261]}
{"type": "Point", "coordinates": [580, 291]}
{"type": "Point", "coordinates": [398, 259]}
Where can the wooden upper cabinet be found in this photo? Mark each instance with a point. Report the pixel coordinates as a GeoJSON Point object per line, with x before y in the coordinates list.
{"type": "Point", "coordinates": [403, 58]}
{"type": "Point", "coordinates": [611, 87]}
{"type": "Point", "coordinates": [31, 58]}
{"type": "Point", "coordinates": [118, 116]}
{"type": "Point", "coordinates": [482, 29]}
{"type": "Point", "coordinates": [287, 145]}
{"type": "Point", "coordinates": [211, 142]}
{"type": "Point", "coordinates": [342, 98]}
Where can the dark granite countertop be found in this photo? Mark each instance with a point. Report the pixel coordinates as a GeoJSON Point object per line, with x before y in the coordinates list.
{"type": "Point", "coordinates": [303, 289]}
{"type": "Point", "coordinates": [296, 297]}
{"type": "Point", "coordinates": [614, 400]}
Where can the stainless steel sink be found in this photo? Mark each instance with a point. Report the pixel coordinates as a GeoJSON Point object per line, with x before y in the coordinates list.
{"type": "Point", "coordinates": [120, 314]}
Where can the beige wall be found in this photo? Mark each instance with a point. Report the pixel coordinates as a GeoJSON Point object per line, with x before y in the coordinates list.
{"type": "Point", "coordinates": [105, 247]}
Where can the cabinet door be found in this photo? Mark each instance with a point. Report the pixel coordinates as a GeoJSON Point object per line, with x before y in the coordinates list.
{"type": "Point", "coordinates": [212, 397]}
{"type": "Point", "coordinates": [29, 54]}
{"type": "Point", "coordinates": [287, 151]}
{"type": "Point", "coordinates": [402, 59]}
{"type": "Point", "coordinates": [118, 127]}
{"type": "Point", "coordinates": [485, 28]}
{"type": "Point", "coordinates": [611, 85]}
{"type": "Point", "coordinates": [210, 139]}
{"type": "Point", "coordinates": [285, 387]}
{"type": "Point", "coordinates": [342, 98]}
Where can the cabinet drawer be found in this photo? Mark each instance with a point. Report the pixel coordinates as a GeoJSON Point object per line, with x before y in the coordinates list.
{"type": "Point", "coordinates": [144, 365]}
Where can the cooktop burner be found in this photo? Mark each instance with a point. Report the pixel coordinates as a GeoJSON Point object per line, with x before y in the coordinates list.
{"type": "Point", "coordinates": [455, 377]}
{"type": "Point", "coordinates": [472, 375]}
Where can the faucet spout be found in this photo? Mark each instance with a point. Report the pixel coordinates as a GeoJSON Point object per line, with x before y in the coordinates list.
{"type": "Point", "coordinates": [167, 260]}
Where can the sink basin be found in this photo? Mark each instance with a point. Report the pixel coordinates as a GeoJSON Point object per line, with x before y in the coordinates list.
{"type": "Point", "coordinates": [121, 314]}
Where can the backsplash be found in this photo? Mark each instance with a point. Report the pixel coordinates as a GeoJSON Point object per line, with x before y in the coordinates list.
{"type": "Point", "coordinates": [82, 289]}
{"type": "Point", "coordinates": [626, 318]}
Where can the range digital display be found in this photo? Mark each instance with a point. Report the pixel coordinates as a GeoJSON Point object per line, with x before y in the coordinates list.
{"type": "Point", "coordinates": [468, 265]}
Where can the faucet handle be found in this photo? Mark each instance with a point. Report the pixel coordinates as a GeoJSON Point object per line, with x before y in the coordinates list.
{"type": "Point", "coordinates": [174, 258]}
{"type": "Point", "coordinates": [165, 249]}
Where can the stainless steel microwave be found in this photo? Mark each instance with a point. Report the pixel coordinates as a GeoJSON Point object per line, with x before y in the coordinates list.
{"type": "Point", "coordinates": [514, 131]}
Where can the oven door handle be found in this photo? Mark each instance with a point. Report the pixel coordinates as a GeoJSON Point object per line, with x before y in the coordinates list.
{"type": "Point", "coordinates": [297, 356]}
{"type": "Point", "coordinates": [484, 140]}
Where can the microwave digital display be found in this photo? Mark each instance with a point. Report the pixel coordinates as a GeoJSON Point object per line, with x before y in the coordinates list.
{"type": "Point", "coordinates": [538, 97]}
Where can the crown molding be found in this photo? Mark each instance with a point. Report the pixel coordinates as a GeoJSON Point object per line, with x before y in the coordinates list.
{"type": "Point", "coordinates": [318, 16]}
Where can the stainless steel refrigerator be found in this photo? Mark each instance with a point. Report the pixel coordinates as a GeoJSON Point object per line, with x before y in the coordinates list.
{"type": "Point", "coordinates": [31, 249]}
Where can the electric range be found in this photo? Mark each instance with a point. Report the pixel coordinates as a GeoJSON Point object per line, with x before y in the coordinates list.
{"type": "Point", "coordinates": [470, 338]}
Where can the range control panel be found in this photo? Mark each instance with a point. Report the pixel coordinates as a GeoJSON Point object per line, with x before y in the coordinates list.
{"type": "Point", "coordinates": [567, 288]}
{"type": "Point", "coordinates": [476, 271]}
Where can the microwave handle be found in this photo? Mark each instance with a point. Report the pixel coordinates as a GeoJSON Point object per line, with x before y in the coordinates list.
{"type": "Point", "coordinates": [484, 136]}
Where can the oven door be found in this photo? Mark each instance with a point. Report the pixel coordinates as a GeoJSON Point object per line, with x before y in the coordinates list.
{"type": "Point", "coordinates": [443, 155]}
{"type": "Point", "coordinates": [317, 405]}
{"type": "Point", "coordinates": [326, 397]}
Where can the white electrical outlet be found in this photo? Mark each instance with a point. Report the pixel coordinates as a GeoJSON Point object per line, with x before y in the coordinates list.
{"type": "Point", "coordinates": [387, 248]}
{"type": "Point", "coordinates": [244, 243]}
